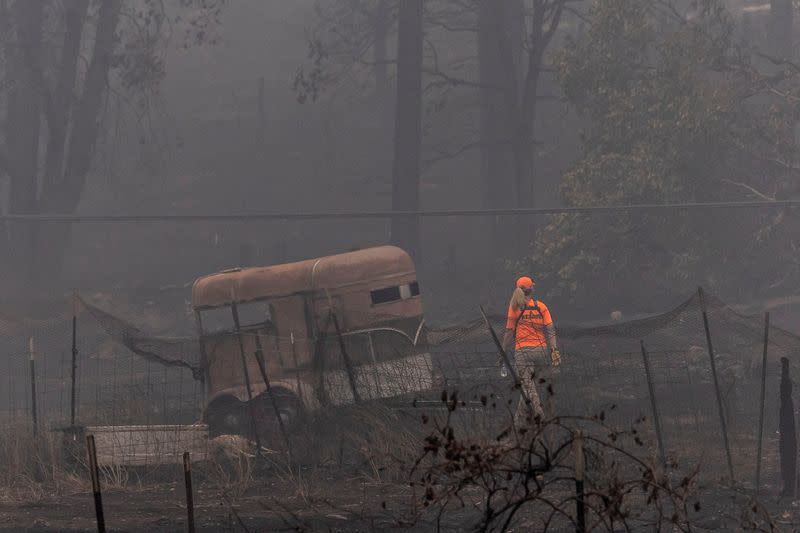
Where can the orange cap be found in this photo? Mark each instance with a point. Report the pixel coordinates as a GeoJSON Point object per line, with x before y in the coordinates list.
{"type": "Point", "coordinates": [525, 283]}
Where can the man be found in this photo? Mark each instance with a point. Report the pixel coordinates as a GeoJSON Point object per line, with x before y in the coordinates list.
{"type": "Point", "coordinates": [530, 330]}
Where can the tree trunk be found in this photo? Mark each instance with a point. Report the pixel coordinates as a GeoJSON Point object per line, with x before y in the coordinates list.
{"type": "Point", "coordinates": [64, 195]}
{"type": "Point", "coordinates": [24, 121]}
{"type": "Point", "coordinates": [381, 26]}
{"type": "Point", "coordinates": [526, 114]}
{"type": "Point", "coordinates": [408, 126]}
{"type": "Point", "coordinates": [6, 27]}
{"type": "Point", "coordinates": [58, 106]}
{"type": "Point", "coordinates": [86, 121]}
{"type": "Point", "coordinates": [524, 141]}
{"type": "Point", "coordinates": [384, 107]}
{"type": "Point", "coordinates": [523, 106]}
{"type": "Point", "coordinates": [496, 167]}
{"type": "Point", "coordinates": [780, 22]}
{"type": "Point", "coordinates": [515, 24]}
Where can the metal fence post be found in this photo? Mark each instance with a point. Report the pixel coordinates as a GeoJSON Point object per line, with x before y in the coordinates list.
{"type": "Point", "coordinates": [74, 367]}
{"type": "Point", "coordinates": [763, 394]}
{"type": "Point", "coordinates": [250, 405]}
{"type": "Point", "coordinates": [187, 479]}
{"type": "Point", "coordinates": [716, 383]}
{"type": "Point", "coordinates": [95, 475]}
{"type": "Point", "coordinates": [262, 367]}
{"type": "Point", "coordinates": [506, 359]}
{"type": "Point", "coordinates": [580, 504]}
{"type": "Point", "coordinates": [348, 364]}
{"type": "Point", "coordinates": [653, 405]}
{"type": "Point", "coordinates": [296, 367]}
{"type": "Point", "coordinates": [34, 417]}
{"type": "Point", "coordinates": [318, 362]}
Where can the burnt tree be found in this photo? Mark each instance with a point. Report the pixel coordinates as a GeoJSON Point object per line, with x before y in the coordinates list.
{"type": "Point", "coordinates": [57, 63]}
{"type": "Point", "coordinates": [408, 126]}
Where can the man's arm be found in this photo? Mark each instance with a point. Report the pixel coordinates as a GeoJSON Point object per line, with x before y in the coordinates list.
{"type": "Point", "coordinates": [550, 336]}
{"type": "Point", "coordinates": [508, 340]}
{"type": "Point", "coordinates": [549, 327]}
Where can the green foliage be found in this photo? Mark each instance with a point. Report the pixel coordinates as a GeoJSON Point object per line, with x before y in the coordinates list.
{"type": "Point", "coordinates": [676, 111]}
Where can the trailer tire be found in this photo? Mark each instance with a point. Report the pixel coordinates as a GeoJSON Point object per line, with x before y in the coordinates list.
{"type": "Point", "coordinates": [289, 409]}
{"type": "Point", "coordinates": [226, 416]}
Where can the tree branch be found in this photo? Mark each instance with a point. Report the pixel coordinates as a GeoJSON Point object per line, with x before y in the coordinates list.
{"type": "Point", "coordinates": [777, 61]}
{"type": "Point", "coordinates": [443, 155]}
{"type": "Point", "coordinates": [752, 190]}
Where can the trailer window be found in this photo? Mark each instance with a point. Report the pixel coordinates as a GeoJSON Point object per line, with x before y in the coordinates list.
{"type": "Point", "coordinates": [254, 314]}
{"type": "Point", "coordinates": [395, 294]}
{"type": "Point", "coordinates": [217, 320]}
{"type": "Point", "coordinates": [220, 319]}
{"type": "Point", "coordinates": [414, 288]}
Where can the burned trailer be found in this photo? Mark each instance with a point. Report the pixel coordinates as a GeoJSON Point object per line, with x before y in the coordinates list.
{"type": "Point", "coordinates": [331, 331]}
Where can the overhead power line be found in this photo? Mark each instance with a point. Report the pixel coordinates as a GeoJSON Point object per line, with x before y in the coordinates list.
{"type": "Point", "coordinates": [345, 215]}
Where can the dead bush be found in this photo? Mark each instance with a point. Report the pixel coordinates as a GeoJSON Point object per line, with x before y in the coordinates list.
{"type": "Point", "coordinates": [34, 468]}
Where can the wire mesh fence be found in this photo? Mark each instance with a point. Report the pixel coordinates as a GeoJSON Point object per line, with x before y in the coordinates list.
{"type": "Point", "coordinates": [68, 382]}
{"type": "Point", "coordinates": [145, 396]}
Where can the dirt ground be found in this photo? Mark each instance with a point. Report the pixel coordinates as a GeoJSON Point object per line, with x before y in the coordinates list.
{"type": "Point", "coordinates": [318, 500]}
{"type": "Point", "coordinates": [270, 504]}
{"type": "Point", "coordinates": [329, 496]}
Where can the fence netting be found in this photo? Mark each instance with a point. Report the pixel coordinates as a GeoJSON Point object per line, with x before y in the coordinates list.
{"type": "Point", "coordinates": [128, 378]}
{"type": "Point", "coordinates": [603, 371]}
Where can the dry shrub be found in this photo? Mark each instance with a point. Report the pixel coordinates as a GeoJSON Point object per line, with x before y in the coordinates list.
{"type": "Point", "coordinates": [373, 439]}
{"type": "Point", "coordinates": [230, 468]}
{"type": "Point", "coordinates": [32, 469]}
{"type": "Point", "coordinates": [526, 479]}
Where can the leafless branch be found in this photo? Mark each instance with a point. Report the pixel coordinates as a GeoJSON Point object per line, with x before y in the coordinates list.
{"type": "Point", "coordinates": [777, 61]}
{"type": "Point", "coordinates": [444, 79]}
{"type": "Point", "coordinates": [444, 155]}
{"type": "Point", "coordinates": [752, 190]}
{"type": "Point", "coordinates": [578, 14]}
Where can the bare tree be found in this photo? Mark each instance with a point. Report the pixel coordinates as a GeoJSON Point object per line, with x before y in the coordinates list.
{"type": "Point", "coordinates": [408, 125]}
{"type": "Point", "coordinates": [512, 38]}
{"type": "Point", "coordinates": [58, 62]}
{"type": "Point", "coordinates": [780, 22]}
{"type": "Point", "coordinates": [521, 91]}
{"type": "Point", "coordinates": [382, 26]}
{"type": "Point", "coordinates": [496, 163]}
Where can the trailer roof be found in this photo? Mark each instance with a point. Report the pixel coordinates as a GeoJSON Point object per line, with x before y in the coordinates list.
{"type": "Point", "coordinates": [329, 272]}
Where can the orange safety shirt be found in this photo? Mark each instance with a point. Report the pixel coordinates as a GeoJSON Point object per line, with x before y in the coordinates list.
{"type": "Point", "coordinates": [531, 327]}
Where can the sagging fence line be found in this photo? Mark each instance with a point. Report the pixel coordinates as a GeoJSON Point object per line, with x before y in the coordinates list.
{"type": "Point", "coordinates": [699, 388]}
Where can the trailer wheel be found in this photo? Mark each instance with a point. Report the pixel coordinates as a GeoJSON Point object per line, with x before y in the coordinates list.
{"type": "Point", "coordinates": [226, 416]}
{"type": "Point", "coordinates": [289, 409]}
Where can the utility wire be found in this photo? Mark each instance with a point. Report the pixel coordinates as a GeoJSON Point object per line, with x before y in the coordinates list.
{"type": "Point", "coordinates": [345, 215]}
